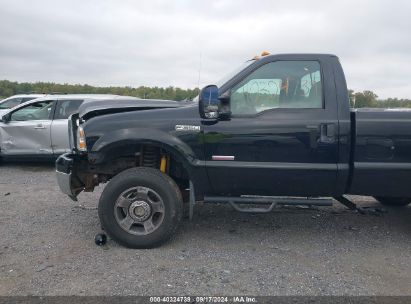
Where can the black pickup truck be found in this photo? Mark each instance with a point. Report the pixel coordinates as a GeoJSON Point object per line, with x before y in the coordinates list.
{"type": "Point", "coordinates": [276, 130]}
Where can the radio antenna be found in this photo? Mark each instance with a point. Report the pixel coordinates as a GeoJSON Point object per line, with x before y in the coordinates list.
{"type": "Point", "coordinates": [199, 71]}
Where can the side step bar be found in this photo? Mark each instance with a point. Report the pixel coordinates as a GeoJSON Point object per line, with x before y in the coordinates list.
{"type": "Point", "coordinates": [272, 201]}
{"type": "Point", "coordinates": [235, 202]}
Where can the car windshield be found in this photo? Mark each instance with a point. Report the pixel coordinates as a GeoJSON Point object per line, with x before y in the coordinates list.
{"type": "Point", "coordinates": [230, 75]}
{"type": "Point", "coordinates": [8, 104]}
{"type": "Point", "coordinates": [12, 102]}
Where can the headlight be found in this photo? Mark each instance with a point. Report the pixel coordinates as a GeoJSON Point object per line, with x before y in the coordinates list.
{"type": "Point", "coordinates": [81, 139]}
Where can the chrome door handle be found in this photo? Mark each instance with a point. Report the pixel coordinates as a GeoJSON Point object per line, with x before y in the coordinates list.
{"type": "Point", "coordinates": [328, 131]}
{"type": "Point", "coordinates": [39, 127]}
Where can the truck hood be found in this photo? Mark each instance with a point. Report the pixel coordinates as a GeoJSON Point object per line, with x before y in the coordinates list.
{"type": "Point", "coordinates": [92, 108]}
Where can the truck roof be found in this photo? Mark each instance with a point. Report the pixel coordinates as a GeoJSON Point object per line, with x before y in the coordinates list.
{"type": "Point", "coordinates": [296, 56]}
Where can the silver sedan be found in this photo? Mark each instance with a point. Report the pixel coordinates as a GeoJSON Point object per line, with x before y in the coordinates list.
{"type": "Point", "coordinates": [39, 128]}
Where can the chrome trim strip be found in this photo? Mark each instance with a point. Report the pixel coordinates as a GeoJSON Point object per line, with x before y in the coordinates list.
{"type": "Point", "coordinates": [222, 157]}
{"type": "Point", "coordinates": [271, 165]}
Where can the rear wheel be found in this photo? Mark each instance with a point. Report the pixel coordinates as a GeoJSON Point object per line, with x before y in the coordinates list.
{"type": "Point", "coordinates": [141, 208]}
{"type": "Point", "coordinates": [394, 201]}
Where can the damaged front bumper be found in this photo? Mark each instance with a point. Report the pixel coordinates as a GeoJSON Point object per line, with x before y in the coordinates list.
{"type": "Point", "coordinates": [65, 175]}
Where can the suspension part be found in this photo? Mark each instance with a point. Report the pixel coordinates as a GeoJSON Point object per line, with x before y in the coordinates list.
{"type": "Point", "coordinates": [150, 157]}
{"type": "Point", "coordinates": [163, 164]}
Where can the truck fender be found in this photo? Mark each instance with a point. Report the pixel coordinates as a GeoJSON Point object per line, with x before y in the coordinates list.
{"type": "Point", "coordinates": [124, 142]}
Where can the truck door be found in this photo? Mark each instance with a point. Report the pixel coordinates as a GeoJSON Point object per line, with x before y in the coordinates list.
{"type": "Point", "coordinates": [281, 136]}
{"type": "Point", "coordinates": [59, 125]}
{"type": "Point", "coordinates": [28, 131]}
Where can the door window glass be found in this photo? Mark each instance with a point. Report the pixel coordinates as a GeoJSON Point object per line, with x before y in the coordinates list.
{"type": "Point", "coordinates": [67, 107]}
{"type": "Point", "coordinates": [280, 84]}
{"type": "Point", "coordinates": [36, 111]}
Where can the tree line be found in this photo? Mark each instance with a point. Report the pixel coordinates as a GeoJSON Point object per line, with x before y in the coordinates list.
{"type": "Point", "coordinates": [368, 99]}
{"type": "Point", "coordinates": [8, 88]}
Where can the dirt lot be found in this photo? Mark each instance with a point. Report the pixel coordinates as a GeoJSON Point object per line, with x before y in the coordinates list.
{"type": "Point", "coordinates": [47, 248]}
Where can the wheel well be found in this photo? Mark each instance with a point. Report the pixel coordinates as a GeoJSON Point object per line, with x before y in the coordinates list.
{"type": "Point", "coordinates": [144, 155]}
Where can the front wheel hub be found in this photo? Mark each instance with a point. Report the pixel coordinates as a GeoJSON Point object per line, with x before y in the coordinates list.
{"type": "Point", "coordinates": [139, 211]}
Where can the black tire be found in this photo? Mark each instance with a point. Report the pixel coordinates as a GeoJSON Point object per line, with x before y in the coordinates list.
{"type": "Point", "coordinates": [394, 201]}
{"type": "Point", "coordinates": [153, 179]}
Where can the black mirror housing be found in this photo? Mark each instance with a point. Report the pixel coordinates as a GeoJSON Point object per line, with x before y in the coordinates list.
{"type": "Point", "coordinates": [5, 118]}
{"type": "Point", "coordinates": [209, 103]}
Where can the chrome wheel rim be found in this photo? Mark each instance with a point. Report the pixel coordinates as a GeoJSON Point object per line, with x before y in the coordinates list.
{"type": "Point", "coordinates": [139, 210]}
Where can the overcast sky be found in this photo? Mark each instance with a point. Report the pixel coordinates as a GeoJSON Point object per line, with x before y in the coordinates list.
{"type": "Point", "coordinates": [159, 43]}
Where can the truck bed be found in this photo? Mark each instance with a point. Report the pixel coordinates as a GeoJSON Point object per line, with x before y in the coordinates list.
{"type": "Point", "coordinates": [381, 159]}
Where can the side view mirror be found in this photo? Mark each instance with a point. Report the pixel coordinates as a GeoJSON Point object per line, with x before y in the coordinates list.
{"type": "Point", "coordinates": [208, 102]}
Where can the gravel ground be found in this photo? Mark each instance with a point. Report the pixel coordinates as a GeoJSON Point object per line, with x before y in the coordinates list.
{"type": "Point", "coordinates": [47, 248]}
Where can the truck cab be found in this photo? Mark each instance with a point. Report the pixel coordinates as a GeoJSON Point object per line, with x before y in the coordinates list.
{"type": "Point", "coordinates": [282, 129]}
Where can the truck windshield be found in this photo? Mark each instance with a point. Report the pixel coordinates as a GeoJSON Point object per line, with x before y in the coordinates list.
{"type": "Point", "coordinates": [230, 75]}
{"type": "Point", "coordinates": [234, 72]}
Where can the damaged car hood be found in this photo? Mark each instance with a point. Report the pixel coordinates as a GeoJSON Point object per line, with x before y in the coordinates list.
{"type": "Point", "coordinates": [92, 108]}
